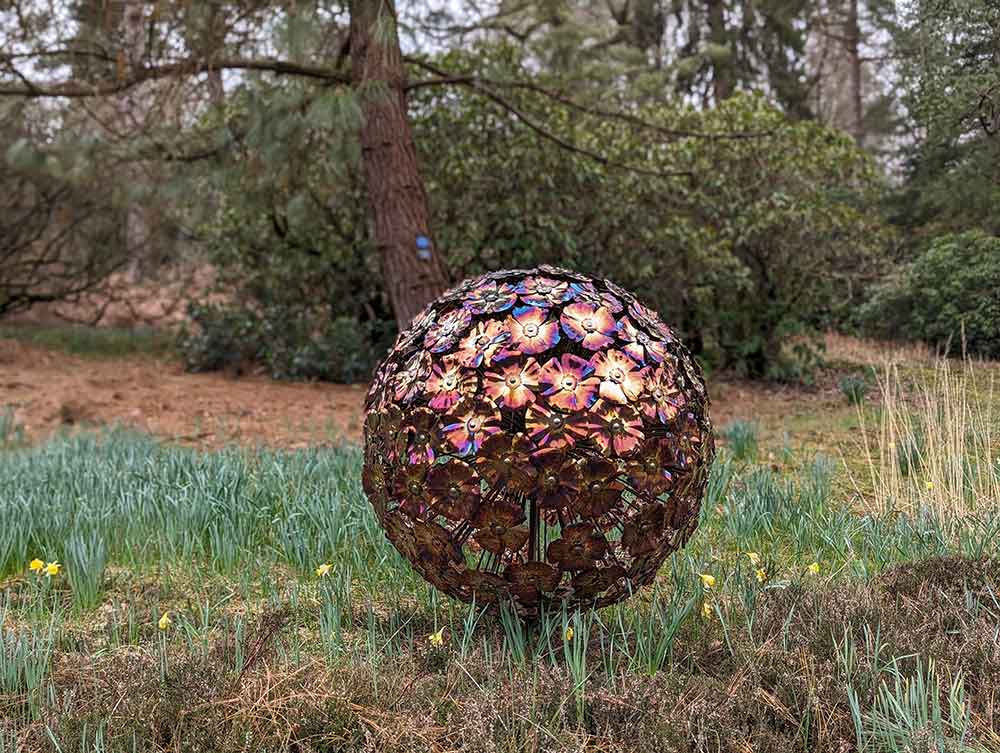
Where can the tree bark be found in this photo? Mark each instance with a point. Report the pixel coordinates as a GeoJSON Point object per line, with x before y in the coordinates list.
{"type": "Point", "coordinates": [722, 69]}
{"type": "Point", "coordinates": [412, 267]}
{"type": "Point", "coordinates": [852, 43]}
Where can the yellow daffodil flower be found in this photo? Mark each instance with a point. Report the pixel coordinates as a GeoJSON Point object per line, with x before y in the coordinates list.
{"type": "Point", "coordinates": [36, 565]}
{"type": "Point", "coordinates": [164, 621]}
{"type": "Point", "coordinates": [437, 639]}
{"type": "Point", "coordinates": [52, 568]}
{"type": "Point", "coordinates": [761, 574]}
{"type": "Point", "coordinates": [814, 568]}
{"type": "Point", "coordinates": [930, 484]}
{"type": "Point", "coordinates": [707, 581]}
{"type": "Point", "coordinates": [569, 634]}
{"type": "Point", "coordinates": [754, 558]}
{"type": "Point", "coordinates": [706, 610]}
{"type": "Point", "coordinates": [323, 569]}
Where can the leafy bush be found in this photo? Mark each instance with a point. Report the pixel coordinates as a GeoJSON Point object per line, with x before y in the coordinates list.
{"type": "Point", "coordinates": [855, 388]}
{"type": "Point", "coordinates": [948, 296]}
{"type": "Point", "coordinates": [284, 342]}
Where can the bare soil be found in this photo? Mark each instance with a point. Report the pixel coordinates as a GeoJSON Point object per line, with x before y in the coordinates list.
{"type": "Point", "coordinates": [51, 390]}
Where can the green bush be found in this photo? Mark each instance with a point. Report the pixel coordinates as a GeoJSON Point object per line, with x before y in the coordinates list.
{"type": "Point", "coordinates": [948, 296]}
{"type": "Point", "coordinates": [285, 342]}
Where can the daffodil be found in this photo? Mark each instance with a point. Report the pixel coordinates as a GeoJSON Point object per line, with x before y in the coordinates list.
{"type": "Point", "coordinates": [754, 558]}
{"type": "Point", "coordinates": [761, 574]}
{"type": "Point", "coordinates": [929, 484]}
{"type": "Point", "coordinates": [36, 565]}
{"type": "Point", "coordinates": [707, 581]}
{"type": "Point", "coordinates": [706, 610]}
{"type": "Point", "coordinates": [569, 633]}
{"type": "Point", "coordinates": [814, 568]}
{"type": "Point", "coordinates": [52, 568]}
{"type": "Point", "coordinates": [164, 622]}
{"type": "Point", "coordinates": [323, 569]}
{"type": "Point", "coordinates": [437, 639]}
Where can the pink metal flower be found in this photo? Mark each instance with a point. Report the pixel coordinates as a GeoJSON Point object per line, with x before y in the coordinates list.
{"type": "Point", "coordinates": [470, 423]}
{"type": "Point", "coordinates": [621, 428]}
{"type": "Point", "coordinates": [621, 379]}
{"type": "Point", "coordinates": [482, 345]}
{"type": "Point", "coordinates": [444, 334]}
{"type": "Point", "coordinates": [640, 345]}
{"type": "Point", "coordinates": [550, 428]}
{"type": "Point", "coordinates": [420, 438]}
{"type": "Point", "coordinates": [646, 317]}
{"type": "Point", "coordinates": [512, 386]}
{"type": "Point", "coordinates": [544, 291]}
{"type": "Point", "coordinates": [663, 399]}
{"type": "Point", "coordinates": [591, 326]}
{"type": "Point", "coordinates": [489, 298]}
{"type": "Point", "coordinates": [585, 292]}
{"type": "Point", "coordinates": [570, 384]}
{"type": "Point", "coordinates": [529, 332]}
{"type": "Point", "coordinates": [449, 383]}
{"type": "Point", "coordinates": [410, 380]}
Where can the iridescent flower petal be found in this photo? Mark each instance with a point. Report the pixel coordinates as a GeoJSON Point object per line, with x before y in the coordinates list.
{"type": "Point", "coordinates": [469, 424]}
{"type": "Point", "coordinates": [512, 387]}
{"type": "Point", "coordinates": [489, 298]}
{"type": "Point", "coordinates": [591, 326]}
{"type": "Point", "coordinates": [530, 333]}
{"type": "Point", "coordinates": [570, 385]}
{"type": "Point", "coordinates": [621, 379]}
{"type": "Point", "coordinates": [483, 344]}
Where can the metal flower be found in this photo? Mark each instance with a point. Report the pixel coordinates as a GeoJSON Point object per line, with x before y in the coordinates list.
{"type": "Point", "coordinates": [646, 317]}
{"type": "Point", "coordinates": [550, 428]}
{"type": "Point", "coordinates": [662, 399]}
{"type": "Point", "coordinates": [410, 380]}
{"type": "Point", "coordinates": [449, 383]}
{"type": "Point", "coordinates": [600, 489]}
{"type": "Point", "coordinates": [559, 479]}
{"type": "Point", "coordinates": [585, 292]}
{"type": "Point", "coordinates": [590, 583]}
{"type": "Point", "coordinates": [570, 385]}
{"type": "Point", "coordinates": [529, 580]}
{"type": "Point", "coordinates": [489, 298]}
{"type": "Point", "coordinates": [498, 528]}
{"type": "Point", "coordinates": [641, 533]}
{"type": "Point", "coordinates": [620, 429]}
{"type": "Point", "coordinates": [651, 470]}
{"type": "Point", "coordinates": [469, 424]}
{"type": "Point", "coordinates": [454, 489]}
{"type": "Point", "coordinates": [621, 379]}
{"type": "Point", "coordinates": [640, 345]}
{"type": "Point", "coordinates": [530, 333]}
{"type": "Point", "coordinates": [483, 343]}
{"type": "Point", "coordinates": [580, 548]}
{"type": "Point", "coordinates": [409, 487]}
{"type": "Point", "coordinates": [441, 336]}
{"type": "Point", "coordinates": [544, 291]}
{"type": "Point", "coordinates": [435, 546]}
{"type": "Point", "coordinates": [591, 326]}
{"type": "Point", "coordinates": [513, 386]}
{"type": "Point", "coordinates": [420, 438]}
{"type": "Point", "coordinates": [503, 460]}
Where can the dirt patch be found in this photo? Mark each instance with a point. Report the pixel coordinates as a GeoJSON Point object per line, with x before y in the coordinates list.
{"type": "Point", "coordinates": [52, 391]}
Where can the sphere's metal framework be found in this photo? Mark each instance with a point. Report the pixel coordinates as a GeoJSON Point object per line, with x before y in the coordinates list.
{"type": "Point", "coordinates": [537, 435]}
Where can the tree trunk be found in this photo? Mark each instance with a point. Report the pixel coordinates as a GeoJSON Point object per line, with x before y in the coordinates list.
{"type": "Point", "coordinates": [722, 67]}
{"type": "Point", "coordinates": [412, 267]}
{"type": "Point", "coordinates": [133, 112]}
{"type": "Point", "coordinates": [852, 37]}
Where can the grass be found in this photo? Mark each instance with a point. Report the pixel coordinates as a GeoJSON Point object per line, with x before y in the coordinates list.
{"type": "Point", "coordinates": [93, 342]}
{"type": "Point", "coordinates": [189, 614]}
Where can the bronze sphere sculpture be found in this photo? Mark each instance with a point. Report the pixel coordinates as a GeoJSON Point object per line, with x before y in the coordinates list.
{"type": "Point", "coordinates": [537, 436]}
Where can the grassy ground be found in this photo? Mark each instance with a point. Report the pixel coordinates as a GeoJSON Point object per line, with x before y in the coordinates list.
{"type": "Point", "coordinates": [188, 614]}
{"type": "Point", "coordinates": [93, 342]}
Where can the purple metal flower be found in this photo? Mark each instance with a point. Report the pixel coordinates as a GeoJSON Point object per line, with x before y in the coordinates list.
{"type": "Point", "coordinates": [570, 385]}
{"type": "Point", "coordinates": [530, 333]}
{"type": "Point", "coordinates": [483, 344]}
{"type": "Point", "coordinates": [445, 333]}
{"type": "Point", "coordinates": [544, 291]}
{"type": "Point", "coordinates": [489, 298]}
{"type": "Point", "coordinates": [469, 424]}
{"type": "Point", "coordinates": [591, 326]}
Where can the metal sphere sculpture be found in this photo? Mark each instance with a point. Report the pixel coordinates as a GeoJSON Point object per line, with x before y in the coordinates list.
{"type": "Point", "coordinates": [537, 435]}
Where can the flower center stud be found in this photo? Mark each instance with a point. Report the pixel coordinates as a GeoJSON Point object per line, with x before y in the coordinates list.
{"type": "Point", "coordinates": [557, 421]}
{"type": "Point", "coordinates": [531, 330]}
{"type": "Point", "coordinates": [513, 381]}
{"type": "Point", "coordinates": [617, 426]}
{"type": "Point", "coordinates": [588, 324]}
{"type": "Point", "coordinates": [454, 492]}
{"type": "Point", "coordinates": [472, 424]}
{"type": "Point", "coordinates": [616, 375]}
{"type": "Point", "coordinates": [569, 383]}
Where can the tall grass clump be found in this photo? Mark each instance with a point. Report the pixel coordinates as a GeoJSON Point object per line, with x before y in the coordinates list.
{"type": "Point", "coordinates": [742, 438]}
{"type": "Point", "coordinates": [932, 449]}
